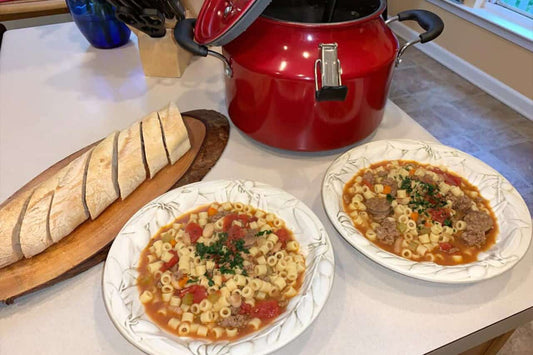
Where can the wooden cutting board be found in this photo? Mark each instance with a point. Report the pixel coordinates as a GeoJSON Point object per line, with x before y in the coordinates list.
{"type": "Point", "coordinates": [89, 243]}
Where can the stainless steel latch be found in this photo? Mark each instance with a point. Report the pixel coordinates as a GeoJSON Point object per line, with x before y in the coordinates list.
{"type": "Point", "coordinates": [330, 88]}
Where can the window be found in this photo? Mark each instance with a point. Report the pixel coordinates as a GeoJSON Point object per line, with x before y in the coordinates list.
{"type": "Point", "coordinates": [523, 7]}
{"type": "Point", "coordinates": [509, 19]}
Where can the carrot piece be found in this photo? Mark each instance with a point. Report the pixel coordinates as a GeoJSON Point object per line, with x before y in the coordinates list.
{"type": "Point", "coordinates": [183, 281]}
{"type": "Point", "coordinates": [173, 242]}
{"type": "Point", "coordinates": [386, 189]}
{"type": "Point", "coordinates": [212, 211]}
{"type": "Point", "coordinates": [414, 216]}
{"type": "Point", "coordinates": [412, 172]}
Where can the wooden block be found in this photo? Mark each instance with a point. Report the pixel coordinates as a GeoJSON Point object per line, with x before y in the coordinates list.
{"type": "Point", "coordinates": [162, 57]}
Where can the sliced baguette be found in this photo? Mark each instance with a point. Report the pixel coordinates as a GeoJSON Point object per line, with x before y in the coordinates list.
{"type": "Point", "coordinates": [101, 184]}
{"type": "Point", "coordinates": [154, 148]}
{"type": "Point", "coordinates": [68, 210]}
{"type": "Point", "coordinates": [175, 133]}
{"type": "Point", "coordinates": [34, 230]}
{"type": "Point", "coordinates": [130, 161]}
{"type": "Point", "coordinates": [10, 219]}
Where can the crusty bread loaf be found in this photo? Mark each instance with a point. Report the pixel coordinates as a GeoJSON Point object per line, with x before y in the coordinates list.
{"type": "Point", "coordinates": [10, 219]}
{"type": "Point", "coordinates": [175, 133]}
{"type": "Point", "coordinates": [34, 230]}
{"type": "Point", "coordinates": [35, 219]}
{"type": "Point", "coordinates": [68, 209]}
{"type": "Point", "coordinates": [101, 185]}
{"type": "Point", "coordinates": [154, 148]}
{"type": "Point", "coordinates": [131, 166]}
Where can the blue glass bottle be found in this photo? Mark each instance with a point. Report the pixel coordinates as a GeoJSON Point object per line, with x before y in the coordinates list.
{"type": "Point", "coordinates": [97, 22]}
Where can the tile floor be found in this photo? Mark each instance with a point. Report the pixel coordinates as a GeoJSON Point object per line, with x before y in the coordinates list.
{"type": "Point", "coordinates": [461, 115]}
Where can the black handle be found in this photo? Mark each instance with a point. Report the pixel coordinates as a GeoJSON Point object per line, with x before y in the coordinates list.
{"type": "Point", "coordinates": [331, 93]}
{"type": "Point", "coordinates": [427, 20]}
{"type": "Point", "coordinates": [184, 34]}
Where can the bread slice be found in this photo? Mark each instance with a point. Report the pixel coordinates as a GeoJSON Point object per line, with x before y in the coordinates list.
{"type": "Point", "coordinates": [101, 187]}
{"type": "Point", "coordinates": [175, 133]}
{"type": "Point", "coordinates": [10, 219]}
{"type": "Point", "coordinates": [68, 209]}
{"type": "Point", "coordinates": [130, 160]}
{"type": "Point", "coordinates": [154, 148]}
{"type": "Point", "coordinates": [34, 229]}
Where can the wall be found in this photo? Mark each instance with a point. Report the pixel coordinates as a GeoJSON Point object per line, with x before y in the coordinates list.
{"type": "Point", "coordinates": [498, 57]}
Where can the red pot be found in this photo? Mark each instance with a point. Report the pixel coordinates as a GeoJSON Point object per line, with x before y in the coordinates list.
{"type": "Point", "coordinates": [295, 81]}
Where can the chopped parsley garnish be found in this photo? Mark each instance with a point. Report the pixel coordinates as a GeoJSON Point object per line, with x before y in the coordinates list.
{"type": "Point", "coordinates": [258, 234]}
{"type": "Point", "coordinates": [226, 253]}
{"type": "Point", "coordinates": [423, 195]}
{"type": "Point", "coordinates": [390, 198]}
{"type": "Point", "coordinates": [406, 185]}
{"type": "Point", "coordinates": [447, 222]}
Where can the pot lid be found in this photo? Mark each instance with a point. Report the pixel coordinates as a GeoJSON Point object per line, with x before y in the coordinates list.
{"type": "Point", "coordinates": [221, 21]}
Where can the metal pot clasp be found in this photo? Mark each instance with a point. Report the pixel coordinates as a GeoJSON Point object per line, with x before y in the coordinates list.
{"type": "Point", "coordinates": [330, 70]}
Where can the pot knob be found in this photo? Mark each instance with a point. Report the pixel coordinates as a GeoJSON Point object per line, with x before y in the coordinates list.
{"type": "Point", "coordinates": [330, 88]}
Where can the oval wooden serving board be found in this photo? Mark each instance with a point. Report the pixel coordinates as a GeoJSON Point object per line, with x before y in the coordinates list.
{"type": "Point", "coordinates": [88, 244]}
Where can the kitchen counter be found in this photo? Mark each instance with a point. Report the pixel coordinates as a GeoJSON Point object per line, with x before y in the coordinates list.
{"type": "Point", "coordinates": [58, 94]}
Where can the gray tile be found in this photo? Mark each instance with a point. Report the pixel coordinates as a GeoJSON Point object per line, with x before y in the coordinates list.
{"type": "Point", "coordinates": [415, 79]}
{"type": "Point", "coordinates": [511, 174]}
{"type": "Point", "coordinates": [519, 157]}
{"type": "Point", "coordinates": [520, 343]}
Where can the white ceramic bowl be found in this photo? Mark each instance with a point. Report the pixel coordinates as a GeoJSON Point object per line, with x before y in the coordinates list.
{"type": "Point", "coordinates": [120, 291]}
{"type": "Point", "coordinates": [512, 215]}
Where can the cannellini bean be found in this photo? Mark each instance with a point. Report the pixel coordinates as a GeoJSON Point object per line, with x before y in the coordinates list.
{"type": "Point", "coordinates": [235, 300]}
{"type": "Point", "coordinates": [208, 230]}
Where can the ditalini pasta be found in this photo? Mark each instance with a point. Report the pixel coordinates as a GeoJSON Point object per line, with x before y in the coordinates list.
{"type": "Point", "coordinates": [420, 212]}
{"type": "Point", "coordinates": [220, 272]}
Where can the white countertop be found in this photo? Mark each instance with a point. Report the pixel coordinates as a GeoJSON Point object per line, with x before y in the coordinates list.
{"type": "Point", "coordinates": [58, 94]}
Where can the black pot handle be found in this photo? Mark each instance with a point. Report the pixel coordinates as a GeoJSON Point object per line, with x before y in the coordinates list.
{"type": "Point", "coordinates": [427, 20]}
{"type": "Point", "coordinates": [184, 35]}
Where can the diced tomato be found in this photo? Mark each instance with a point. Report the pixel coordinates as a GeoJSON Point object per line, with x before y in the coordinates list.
{"type": "Point", "coordinates": [245, 308]}
{"type": "Point", "coordinates": [244, 219]}
{"type": "Point", "coordinates": [450, 179]}
{"type": "Point", "coordinates": [266, 310]}
{"type": "Point", "coordinates": [171, 262]}
{"type": "Point", "coordinates": [283, 236]}
{"type": "Point", "coordinates": [228, 220]}
{"type": "Point", "coordinates": [198, 293]}
{"type": "Point", "coordinates": [194, 230]}
{"type": "Point", "coordinates": [445, 246]}
{"type": "Point", "coordinates": [439, 214]}
{"type": "Point", "coordinates": [235, 232]}
{"type": "Point", "coordinates": [367, 183]}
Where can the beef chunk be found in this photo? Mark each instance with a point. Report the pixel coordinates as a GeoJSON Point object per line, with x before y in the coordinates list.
{"type": "Point", "coordinates": [387, 231]}
{"type": "Point", "coordinates": [428, 179]}
{"type": "Point", "coordinates": [250, 237]}
{"type": "Point", "coordinates": [460, 203]}
{"type": "Point", "coordinates": [378, 207]}
{"type": "Point", "coordinates": [473, 237]}
{"type": "Point", "coordinates": [393, 185]}
{"type": "Point", "coordinates": [236, 321]}
{"type": "Point", "coordinates": [369, 177]}
{"type": "Point", "coordinates": [478, 221]}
